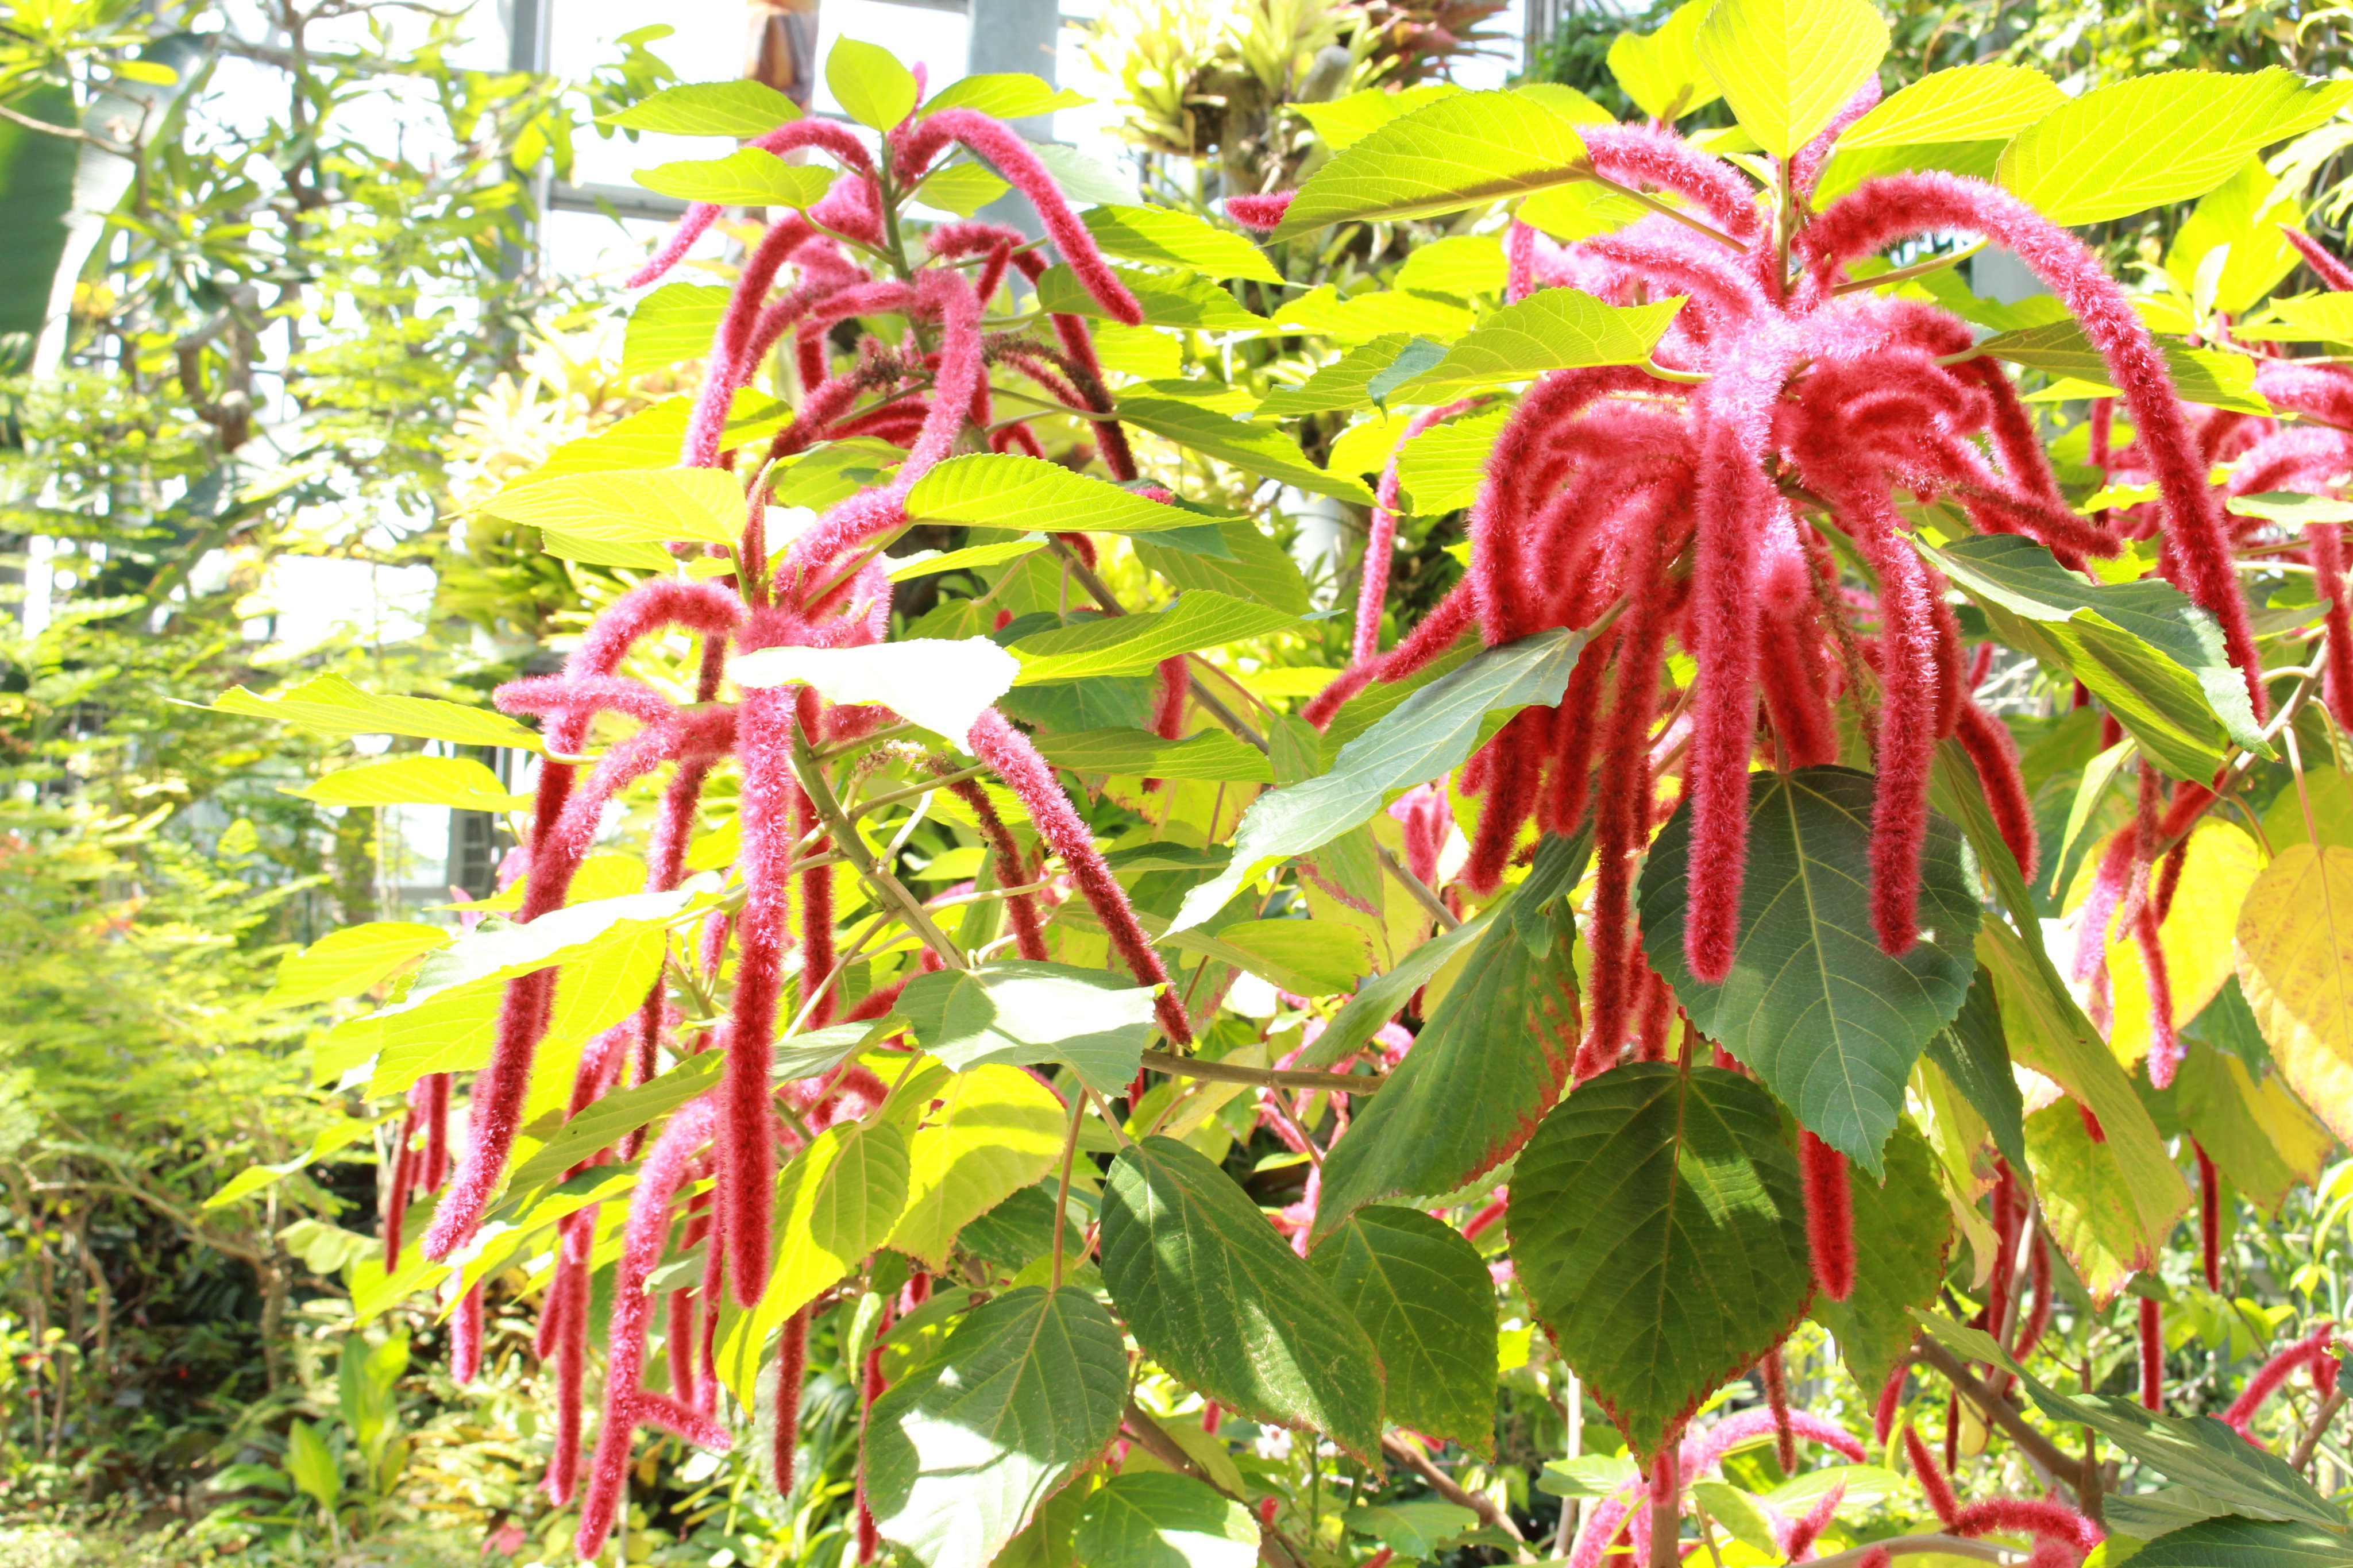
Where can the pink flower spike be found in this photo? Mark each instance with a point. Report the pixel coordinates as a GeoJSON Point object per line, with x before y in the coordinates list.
{"type": "Point", "coordinates": [1932, 1479]}
{"type": "Point", "coordinates": [2313, 1349]}
{"type": "Point", "coordinates": [1262, 212]}
{"type": "Point", "coordinates": [2152, 1354]}
{"type": "Point", "coordinates": [465, 1337]}
{"type": "Point", "coordinates": [1830, 1216]}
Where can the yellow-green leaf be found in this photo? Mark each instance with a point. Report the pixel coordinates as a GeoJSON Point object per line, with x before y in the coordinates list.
{"type": "Point", "coordinates": [1660, 69]}
{"type": "Point", "coordinates": [738, 108]}
{"type": "Point", "coordinates": [869, 83]}
{"type": "Point", "coordinates": [329, 705]}
{"type": "Point", "coordinates": [1462, 150]}
{"type": "Point", "coordinates": [1787, 65]}
{"type": "Point", "coordinates": [643, 505]}
{"type": "Point", "coordinates": [459, 783]}
{"type": "Point", "coordinates": [2295, 959]}
{"type": "Point", "coordinates": [747, 177]}
{"type": "Point", "coordinates": [995, 1131]}
{"type": "Point", "coordinates": [1552, 328]}
{"type": "Point", "coordinates": [1167, 238]}
{"type": "Point", "coordinates": [351, 962]}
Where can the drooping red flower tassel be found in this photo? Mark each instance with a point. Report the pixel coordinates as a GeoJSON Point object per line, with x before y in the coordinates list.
{"type": "Point", "coordinates": [2317, 1350]}
{"type": "Point", "coordinates": [792, 1366]}
{"type": "Point", "coordinates": [2152, 1353]}
{"type": "Point", "coordinates": [1776, 1400]}
{"type": "Point", "coordinates": [2210, 1218]}
{"type": "Point", "coordinates": [1830, 1216]}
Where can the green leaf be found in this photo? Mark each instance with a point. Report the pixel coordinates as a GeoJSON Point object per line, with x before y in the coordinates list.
{"type": "Point", "coordinates": [2316, 317]}
{"type": "Point", "coordinates": [1345, 121]}
{"type": "Point", "coordinates": [747, 177]}
{"type": "Point", "coordinates": [1830, 1023]}
{"type": "Point", "coordinates": [2286, 507]}
{"type": "Point", "coordinates": [313, 1465]}
{"type": "Point", "coordinates": [1552, 329]}
{"type": "Point", "coordinates": [1423, 1296]}
{"type": "Point", "coordinates": [1004, 95]}
{"type": "Point", "coordinates": [1658, 1227]}
{"type": "Point", "coordinates": [1963, 103]}
{"type": "Point", "coordinates": [1322, 311]}
{"type": "Point", "coordinates": [351, 962]}
{"type": "Point", "coordinates": [1166, 237]}
{"type": "Point", "coordinates": [2139, 144]}
{"type": "Point", "coordinates": [871, 84]}
{"type": "Point", "coordinates": [1148, 1521]}
{"type": "Point", "coordinates": [498, 949]}
{"type": "Point", "coordinates": [1030, 495]}
{"type": "Point", "coordinates": [2232, 1540]}
{"type": "Point", "coordinates": [1310, 958]}
{"type": "Point", "coordinates": [1903, 1229]}
{"type": "Point", "coordinates": [2153, 658]}
{"type": "Point", "coordinates": [329, 705]}
{"type": "Point", "coordinates": [2210, 376]}
{"type": "Point", "coordinates": [1426, 735]}
{"type": "Point", "coordinates": [1255, 449]}
{"type": "Point", "coordinates": [459, 783]}
{"type": "Point", "coordinates": [2259, 1135]}
{"type": "Point", "coordinates": [944, 686]}
{"type": "Point", "coordinates": [961, 1454]}
{"type": "Point", "coordinates": [604, 1122]}
{"type": "Point", "coordinates": [1973, 1052]}
{"type": "Point", "coordinates": [1571, 213]}
{"type": "Point", "coordinates": [836, 1200]}
{"type": "Point", "coordinates": [1465, 149]}
{"type": "Point", "coordinates": [1660, 69]}
{"type": "Point", "coordinates": [738, 108]}
{"type": "Point", "coordinates": [1181, 300]}
{"type": "Point", "coordinates": [1480, 1076]}
{"type": "Point", "coordinates": [962, 188]}
{"type": "Point", "coordinates": [1787, 65]}
{"type": "Point", "coordinates": [646, 504]}
{"type": "Point", "coordinates": [1212, 755]}
{"type": "Point", "coordinates": [2087, 1206]}
{"type": "Point", "coordinates": [1128, 645]}
{"type": "Point", "coordinates": [1442, 469]}
{"type": "Point", "coordinates": [1461, 265]}
{"type": "Point", "coordinates": [1018, 1012]}
{"type": "Point", "coordinates": [1346, 383]}
{"type": "Point", "coordinates": [1383, 996]}
{"type": "Point", "coordinates": [1419, 1528]}
{"type": "Point", "coordinates": [931, 563]}
{"type": "Point", "coordinates": [676, 321]}
{"type": "Point", "coordinates": [1254, 567]}
{"type": "Point", "coordinates": [650, 437]}
{"type": "Point", "coordinates": [1739, 1513]}
{"type": "Point", "coordinates": [995, 1131]}
{"type": "Point", "coordinates": [1215, 1296]}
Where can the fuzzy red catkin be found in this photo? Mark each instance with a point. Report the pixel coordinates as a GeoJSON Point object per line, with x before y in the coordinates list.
{"type": "Point", "coordinates": [1008, 752]}
{"type": "Point", "coordinates": [792, 1364]}
{"type": "Point", "coordinates": [1932, 1479]}
{"type": "Point", "coordinates": [2165, 1047]}
{"type": "Point", "coordinates": [1799, 1544]}
{"type": "Point", "coordinates": [466, 1338]}
{"type": "Point", "coordinates": [1776, 1400]}
{"type": "Point", "coordinates": [770, 811]}
{"type": "Point", "coordinates": [1891, 1400]}
{"type": "Point", "coordinates": [1260, 211]}
{"type": "Point", "coordinates": [564, 1332]}
{"type": "Point", "coordinates": [627, 1403]}
{"type": "Point", "coordinates": [1830, 1216]}
{"type": "Point", "coordinates": [2209, 1216]}
{"type": "Point", "coordinates": [1994, 753]}
{"type": "Point", "coordinates": [2316, 1350]}
{"type": "Point", "coordinates": [1881, 211]}
{"type": "Point", "coordinates": [2038, 1316]}
{"type": "Point", "coordinates": [436, 1130]}
{"type": "Point", "coordinates": [1012, 869]}
{"type": "Point", "coordinates": [1380, 545]}
{"type": "Point", "coordinates": [2027, 1515]}
{"type": "Point", "coordinates": [2152, 1354]}
{"type": "Point", "coordinates": [2334, 274]}
{"type": "Point", "coordinates": [396, 1193]}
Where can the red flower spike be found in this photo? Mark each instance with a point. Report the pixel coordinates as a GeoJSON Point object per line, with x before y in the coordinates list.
{"type": "Point", "coordinates": [1776, 1400]}
{"type": "Point", "coordinates": [1008, 752]}
{"type": "Point", "coordinates": [1259, 212]}
{"type": "Point", "coordinates": [792, 1365]}
{"type": "Point", "coordinates": [1012, 869]}
{"type": "Point", "coordinates": [1380, 545]}
{"type": "Point", "coordinates": [436, 1130]}
{"type": "Point", "coordinates": [2209, 1216]}
{"type": "Point", "coordinates": [771, 812]}
{"type": "Point", "coordinates": [1994, 754]}
{"type": "Point", "coordinates": [2316, 1350]}
{"type": "Point", "coordinates": [2152, 1354]}
{"type": "Point", "coordinates": [627, 1403]}
{"type": "Point", "coordinates": [1830, 1216]}
{"type": "Point", "coordinates": [1932, 1479]}
{"type": "Point", "coordinates": [397, 1190]}
{"type": "Point", "coordinates": [1891, 1400]}
{"type": "Point", "coordinates": [1798, 1545]}
{"type": "Point", "coordinates": [466, 1338]}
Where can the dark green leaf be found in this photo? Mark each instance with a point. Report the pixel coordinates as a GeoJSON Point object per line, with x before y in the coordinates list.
{"type": "Point", "coordinates": [960, 1455]}
{"type": "Point", "coordinates": [1658, 1226]}
{"type": "Point", "coordinates": [1423, 1295]}
{"type": "Point", "coordinates": [1252, 567]}
{"type": "Point", "coordinates": [1829, 1022]}
{"type": "Point", "coordinates": [1214, 1294]}
{"type": "Point", "coordinates": [2233, 1540]}
{"type": "Point", "coordinates": [1903, 1229]}
{"type": "Point", "coordinates": [1480, 1076]}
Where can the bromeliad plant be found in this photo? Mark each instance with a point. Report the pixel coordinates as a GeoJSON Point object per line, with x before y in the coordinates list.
{"type": "Point", "coordinates": [1749, 886]}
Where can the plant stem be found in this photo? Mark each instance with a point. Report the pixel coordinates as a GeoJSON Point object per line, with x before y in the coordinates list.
{"type": "Point", "coordinates": [889, 890]}
{"type": "Point", "coordinates": [1261, 1078]}
{"type": "Point", "coordinates": [1063, 1194]}
{"type": "Point", "coordinates": [2005, 1415]}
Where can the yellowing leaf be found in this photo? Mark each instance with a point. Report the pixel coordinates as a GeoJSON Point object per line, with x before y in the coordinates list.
{"type": "Point", "coordinates": [2195, 935]}
{"type": "Point", "coordinates": [2084, 1200]}
{"type": "Point", "coordinates": [997, 1131]}
{"type": "Point", "coordinates": [747, 177]}
{"type": "Point", "coordinates": [2294, 951]}
{"type": "Point", "coordinates": [329, 705]}
{"type": "Point", "coordinates": [1785, 66]}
